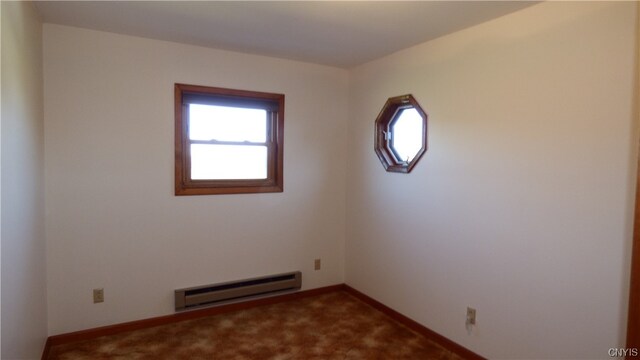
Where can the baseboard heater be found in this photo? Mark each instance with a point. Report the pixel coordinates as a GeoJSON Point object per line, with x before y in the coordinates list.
{"type": "Point", "coordinates": [234, 290]}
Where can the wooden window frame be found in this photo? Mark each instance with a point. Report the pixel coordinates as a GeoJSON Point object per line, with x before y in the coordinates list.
{"type": "Point", "coordinates": [273, 103]}
{"type": "Point", "coordinates": [383, 134]}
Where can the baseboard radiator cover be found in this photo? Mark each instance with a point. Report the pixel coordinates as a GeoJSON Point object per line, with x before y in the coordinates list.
{"type": "Point", "coordinates": [206, 295]}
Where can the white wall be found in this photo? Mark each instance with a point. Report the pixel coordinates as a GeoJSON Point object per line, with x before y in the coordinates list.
{"type": "Point", "coordinates": [522, 205]}
{"type": "Point", "coordinates": [112, 219]}
{"type": "Point", "coordinates": [24, 315]}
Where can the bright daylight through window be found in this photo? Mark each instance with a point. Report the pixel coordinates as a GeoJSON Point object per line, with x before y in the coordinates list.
{"type": "Point", "coordinates": [401, 134]}
{"type": "Point", "coordinates": [406, 135]}
{"type": "Point", "coordinates": [228, 141]}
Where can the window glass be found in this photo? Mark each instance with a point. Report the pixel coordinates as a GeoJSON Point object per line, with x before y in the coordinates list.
{"type": "Point", "coordinates": [228, 162]}
{"type": "Point", "coordinates": [223, 123]}
{"type": "Point", "coordinates": [406, 135]}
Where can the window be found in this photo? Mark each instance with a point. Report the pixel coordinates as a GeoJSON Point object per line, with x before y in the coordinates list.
{"type": "Point", "coordinates": [401, 134]}
{"type": "Point", "coordinates": [227, 141]}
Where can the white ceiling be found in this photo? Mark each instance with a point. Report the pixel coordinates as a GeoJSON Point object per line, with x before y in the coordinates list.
{"type": "Point", "coordinates": [336, 33]}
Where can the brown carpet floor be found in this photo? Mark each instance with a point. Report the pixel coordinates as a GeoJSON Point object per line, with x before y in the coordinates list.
{"type": "Point", "coordinates": [330, 326]}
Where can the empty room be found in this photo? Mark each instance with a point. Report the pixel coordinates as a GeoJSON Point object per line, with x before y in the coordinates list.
{"type": "Point", "coordinates": [319, 180]}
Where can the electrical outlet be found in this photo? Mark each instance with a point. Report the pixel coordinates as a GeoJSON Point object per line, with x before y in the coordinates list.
{"type": "Point", "coordinates": [317, 265]}
{"type": "Point", "coordinates": [98, 295]}
{"type": "Point", "coordinates": [471, 316]}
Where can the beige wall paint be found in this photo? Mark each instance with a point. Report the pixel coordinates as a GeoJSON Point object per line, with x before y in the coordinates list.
{"type": "Point", "coordinates": [112, 218]}
{"type": "Point", "coordinates": [522, 205]}
{"type": "Point", "coordinates": [24, 316]}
